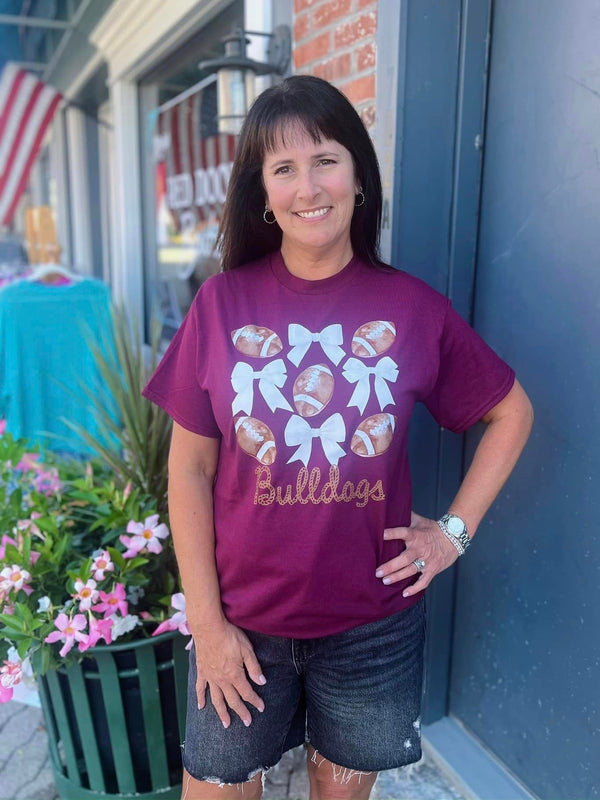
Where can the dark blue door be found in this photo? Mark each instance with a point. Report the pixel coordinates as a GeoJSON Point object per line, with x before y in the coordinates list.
{"type": "Point", "coordinates": [498, 205]}
{"type": "Point", "coordinates": [525, 667]}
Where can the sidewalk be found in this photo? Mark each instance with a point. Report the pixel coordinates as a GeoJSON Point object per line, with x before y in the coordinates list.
{"type": "Point", "coordinates": [25, 772]}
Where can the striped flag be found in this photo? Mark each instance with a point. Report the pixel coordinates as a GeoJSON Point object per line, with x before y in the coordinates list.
{"type": "Point", "coordinates": [197, 166]}
{"type": "Point", "coordinates": [26, 109]}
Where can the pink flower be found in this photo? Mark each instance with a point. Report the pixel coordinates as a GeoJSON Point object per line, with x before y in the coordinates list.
{"type": "Point", "coordinates": [33, 556]}
{"type": "Point", "coordinates": [101, 565]}
{"type": "Point", "coordinates": [45, 481]}
{"type": "Point", "coordinates": [178, 622]}
{"type": "Point", "coordinates": [2, 427]}
{"type": "Point", "coordinates": [6, 539]}
{"type": "Point", "coordinates": [10, 673]}
{"type": "Point", "coordinates": [28, 462]}
{"type": "Point", "coordinates": [112, 602]}
{"type": "Point", "coordinates": [15, 578]}
{"type": "Point", "coordinates": [99, 629]}
{"type": "Point", "coordinates": [6, 693]}
{"type": "Point", "coordinates": [146, 536]}
{"type": "Point", "coordinates": [5, 606]}
{"type": "Point", "coordinates": [86, 593]}
{"type": "Point", "coordinates": [127, 490]}
{"type": "Point", "coordinates": [69, 631]}
{"type": "Point", "coordinates": [29, 525]}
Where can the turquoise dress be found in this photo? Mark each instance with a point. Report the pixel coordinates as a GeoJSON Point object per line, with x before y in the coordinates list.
{"type": "Point", "coordinates": [45, 359]}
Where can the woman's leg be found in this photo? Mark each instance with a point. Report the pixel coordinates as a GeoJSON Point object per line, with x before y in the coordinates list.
{"type": "Point", "coordinates": [232, 754]}
{"type": "Point", "coordinates": [363, 694]}
{"type": "Point", "coordinates": [329, 781]}
{"type": "Point", "coordinates": [206, 790]}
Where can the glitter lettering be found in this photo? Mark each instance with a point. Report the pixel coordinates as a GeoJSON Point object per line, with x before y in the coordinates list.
{"type": "Point", "coordinates": [309, 489]}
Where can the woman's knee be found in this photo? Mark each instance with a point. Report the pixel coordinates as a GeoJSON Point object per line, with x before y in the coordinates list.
{"type": "Point", "coordinates": [214, 790]}
{"type": "Point", "coordinates": [329, 781]}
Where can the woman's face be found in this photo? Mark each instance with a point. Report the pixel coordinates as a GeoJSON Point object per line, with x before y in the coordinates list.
{"type": "Point", "coordinates": [311, 189]}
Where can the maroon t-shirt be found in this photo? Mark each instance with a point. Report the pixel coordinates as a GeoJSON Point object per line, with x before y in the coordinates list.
{"type": "Point", "coordinates": [310, 386]}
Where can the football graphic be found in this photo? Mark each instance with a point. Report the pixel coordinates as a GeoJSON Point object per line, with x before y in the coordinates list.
{"type": "Point", "coordinates": [256, 439]}
{"type": "Point", "coordinates": [253, 340]}
{"type": "Point", "coordinates": [373, 338]}
{"type": "Point", "coordinates": [374, 435]}
{"type": "Point", "coordinates": [313, 389]}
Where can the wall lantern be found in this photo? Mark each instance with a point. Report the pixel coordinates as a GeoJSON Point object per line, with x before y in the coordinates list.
{"type": "Point", "coordinates": [236, 72]}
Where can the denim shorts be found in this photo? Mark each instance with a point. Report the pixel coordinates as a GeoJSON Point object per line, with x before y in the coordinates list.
{"type": "Point", "coordinates": [355, 696]}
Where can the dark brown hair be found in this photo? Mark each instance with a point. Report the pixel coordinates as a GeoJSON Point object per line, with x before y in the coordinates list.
{"type": "Point", "coordinates": [317, 107]}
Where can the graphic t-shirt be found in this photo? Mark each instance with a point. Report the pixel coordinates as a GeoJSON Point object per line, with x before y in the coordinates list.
{"type": "Point", "coordinates": [310, 386]}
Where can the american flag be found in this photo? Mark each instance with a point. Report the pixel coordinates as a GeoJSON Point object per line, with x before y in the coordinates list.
{"type": "Point", "coordinates": [193, 159]}
{"type": "Point", "coordinates": [26, 109]}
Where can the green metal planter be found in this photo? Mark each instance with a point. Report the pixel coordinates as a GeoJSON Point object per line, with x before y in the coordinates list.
{"type": "Point", "coordinates": [116, 720]}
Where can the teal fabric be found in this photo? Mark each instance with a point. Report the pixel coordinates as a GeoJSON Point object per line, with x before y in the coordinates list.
{"type": "Point", "coordinates": [45, 358]}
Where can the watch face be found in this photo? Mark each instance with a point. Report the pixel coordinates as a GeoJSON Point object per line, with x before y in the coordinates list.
{"type": "Point", "coordinates": [455, 525]}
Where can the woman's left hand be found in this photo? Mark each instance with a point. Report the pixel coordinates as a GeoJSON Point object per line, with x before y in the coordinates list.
{"type": "Point", "coordinates": [424, 540]}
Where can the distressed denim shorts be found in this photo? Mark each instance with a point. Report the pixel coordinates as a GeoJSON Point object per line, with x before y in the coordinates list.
{"type": "Point", "coordinates": [355, 696]}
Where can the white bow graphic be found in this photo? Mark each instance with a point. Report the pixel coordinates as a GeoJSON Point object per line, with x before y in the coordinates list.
{"type": "Point", "coordinates": [269, 378]}
{"type": "Point", "coordinates": [299, 432]}
{"type": "Point", "coordinates": [356, 372]}
{"type": "Point", "coordinates": [329, 338]}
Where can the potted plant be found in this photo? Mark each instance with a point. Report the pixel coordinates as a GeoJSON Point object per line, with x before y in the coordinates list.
{"type": "Point", "coordinates": [89, 600]}
{"type": "Point", "coordinates": [87, 573]}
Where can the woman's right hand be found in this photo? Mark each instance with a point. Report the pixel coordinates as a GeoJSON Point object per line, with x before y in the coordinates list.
{"type": "Point", "coordinates": [221, 655]}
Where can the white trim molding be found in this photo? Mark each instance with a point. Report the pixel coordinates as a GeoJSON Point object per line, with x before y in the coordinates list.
{"type": "Point", "coordinates": [391, 16]}
{"type": "Point", "coordinates": [127, 261]}
{"type": "Point", "coordinates": [134, 34]}
{"type": "Point", "coordinates": [81, 230]}
{"type": "Point", "coordinates": [60, 175]}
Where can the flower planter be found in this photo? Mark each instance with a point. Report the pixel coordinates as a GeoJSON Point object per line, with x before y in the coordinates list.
{"type": "Point", "coordinates": [115, 721]}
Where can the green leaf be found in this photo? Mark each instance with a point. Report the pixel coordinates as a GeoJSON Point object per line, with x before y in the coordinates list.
{"type": "Point", "coordinates": [169, 584]}
{"type": "Point", "coordinates": [8, 620]}
{"type": "Point", "coordinates": [62, 547]}
{"type": "Point", "coordinates": [117, 557]}
{"type": "Point", "coordinates": [23, 648]}
{"type": "Point", "coordinates": [16, 636]}
{"type": "Point", "coordinates": [134, 563]}
{"type": "Point", "coordinates": [11, 555]}
{"type": "Point", "coordinates": [133, 438]}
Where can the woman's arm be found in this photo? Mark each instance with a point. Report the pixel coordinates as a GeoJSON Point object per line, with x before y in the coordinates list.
{"type": "Point", "coordinates": [508, 427]}
{"type": "Point", "coordinates": [222, 650]}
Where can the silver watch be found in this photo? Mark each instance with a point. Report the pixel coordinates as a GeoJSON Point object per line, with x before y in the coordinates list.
{"type": "Point", "coordinates": [455, 529]}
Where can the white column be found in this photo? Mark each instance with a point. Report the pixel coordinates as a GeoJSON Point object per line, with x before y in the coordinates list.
{"type": "Point", "coordinates": [107, 194]}
{"type": "Point", "coordinates": [258, 16]}
{"type": "Point", "coordinates": [391, 44]}
{"type": "Point", "coordinates": [127, 260]}
{"type": "Point", "coordinates": [59, 195]}
{"type": "Point", "coordinates": [81, 255]}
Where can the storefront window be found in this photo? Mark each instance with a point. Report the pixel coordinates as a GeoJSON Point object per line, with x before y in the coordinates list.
{"type": "Point", "coordinates": [192, 168]}
{"type": "Point", "coordinates": [186, 170]}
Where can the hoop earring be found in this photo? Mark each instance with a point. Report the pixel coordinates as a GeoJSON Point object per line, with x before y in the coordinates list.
{"type": "Point", "coordinates": [362, 202]}
{"type": "Point", "coordinates": [265, 212]}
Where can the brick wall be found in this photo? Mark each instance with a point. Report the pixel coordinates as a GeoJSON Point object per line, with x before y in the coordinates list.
{"type": "Point", "coordinates": [335, 40]}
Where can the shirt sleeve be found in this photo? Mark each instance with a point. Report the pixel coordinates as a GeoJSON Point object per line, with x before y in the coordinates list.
{"type": "Point", "coordinates": [176, 385]}
{"type": "Point", "coordinates": [471, 378]}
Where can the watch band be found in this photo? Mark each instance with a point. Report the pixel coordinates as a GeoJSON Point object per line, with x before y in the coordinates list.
{"type": "Point", "coordinates": [460, 539]}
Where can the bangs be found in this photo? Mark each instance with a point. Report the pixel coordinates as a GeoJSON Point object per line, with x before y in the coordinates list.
{"type": "Point", "coordinates": [283, 130]}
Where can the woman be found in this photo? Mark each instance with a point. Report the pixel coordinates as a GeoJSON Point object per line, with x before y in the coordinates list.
{"type": "Point", "coordinates": [291, 384]}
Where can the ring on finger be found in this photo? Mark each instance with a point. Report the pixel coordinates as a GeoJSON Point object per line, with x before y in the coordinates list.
{"type": "Point", "coordinates": [419, 564]}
